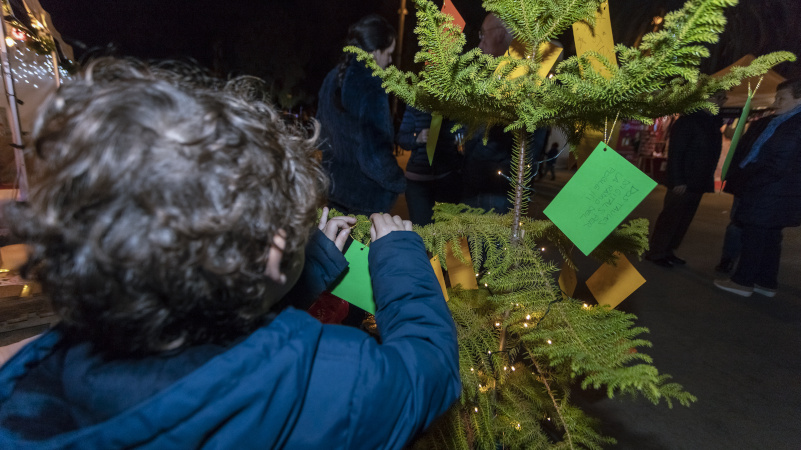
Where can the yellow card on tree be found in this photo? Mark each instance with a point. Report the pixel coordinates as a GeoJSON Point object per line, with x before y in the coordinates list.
{"type": "Point", "coordinates": [598, 39]}
{"type": "Point", "coordinates": [435, 264]}
{"type": "Point", "coordinates": [610, 284]}
{"type": "Point", "coordinates": [547, 52]}
{"type": "Point", "coordinates": [567, 280]}
{"type": "Point", "coordinates": [459, 272]}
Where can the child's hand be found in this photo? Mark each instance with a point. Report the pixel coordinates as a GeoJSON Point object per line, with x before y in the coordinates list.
{"type": "Point", "coordinates": [336, 229]}
{"type": "Point", "coordinates": [383, 224]}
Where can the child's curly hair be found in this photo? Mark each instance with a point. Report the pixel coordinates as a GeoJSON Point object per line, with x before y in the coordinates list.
{"type": "Point", "coordinates": [154, 202]}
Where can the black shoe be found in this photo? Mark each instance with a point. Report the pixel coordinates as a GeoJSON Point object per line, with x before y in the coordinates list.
{"type": "Point", "coordinates": [725, 265]}
{"type": "Point", "coordinates": [676, 260]}
{"type": "Point", "coordinates": [664, 262]}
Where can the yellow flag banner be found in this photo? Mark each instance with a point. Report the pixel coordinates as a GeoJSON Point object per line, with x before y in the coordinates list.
{"type": "Point", "coordinates": [598, 39]}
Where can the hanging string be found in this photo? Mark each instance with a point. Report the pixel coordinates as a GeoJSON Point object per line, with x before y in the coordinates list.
{"type": "Point", "coordinates": [606, 140]}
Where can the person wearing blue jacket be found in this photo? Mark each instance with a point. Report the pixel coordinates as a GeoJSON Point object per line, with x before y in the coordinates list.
{"type": "Point", "coordinates": [358, 138]}
{"type": "Point", "coordinates": [768, 185]}
{"type": "Point", "coordinates": [169, 222]}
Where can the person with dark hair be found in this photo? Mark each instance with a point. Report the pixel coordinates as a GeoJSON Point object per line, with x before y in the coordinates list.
{"type": "Point", "coordinates": [693, 154]}
{"type": "Point", "coordinates": [356, 126]}
{"type": "Point", "coordinates": [768, 185]}
{"type": "Point", "coordinates": [166, 221]}
{"type": "Point", "coordinates": [428, 183]}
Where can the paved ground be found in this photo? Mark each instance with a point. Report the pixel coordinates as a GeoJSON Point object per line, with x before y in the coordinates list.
{"type": "Point", "coordinates": [740, 356]}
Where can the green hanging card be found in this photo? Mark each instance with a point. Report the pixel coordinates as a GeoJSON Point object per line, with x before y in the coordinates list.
{"type": "Point", "coordinates": [736, 138]}
{"type": "Point", "coordinates": [599, 196]}
{"type": "Point", "coordinates": [355, 286]}
{"type": "Point", "coordinates": [433, 136]}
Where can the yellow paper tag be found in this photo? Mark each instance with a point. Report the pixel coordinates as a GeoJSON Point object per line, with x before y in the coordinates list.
{"type": "Point", "coordinates": [440, 277]}
{"type": "Point", "coordinates": [598, 39]}
{"type": "Point", "coordinates": [567, 280]}
{"type": "Point", "coordinates": [459, 272]}
{"type": "Point", "coordinates": [610, 284]}
{"type": "Point", "coordinates": [547, 51]}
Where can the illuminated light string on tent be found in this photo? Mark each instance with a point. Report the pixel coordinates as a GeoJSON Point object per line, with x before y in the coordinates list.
{"type": "Point", "coordinates": [34, 62]}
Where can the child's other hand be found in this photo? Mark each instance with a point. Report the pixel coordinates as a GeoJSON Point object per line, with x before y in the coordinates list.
{"type": "Point", "coordinates": [336, 228]}
{"type": "Point", "coordinates": [383, 224]}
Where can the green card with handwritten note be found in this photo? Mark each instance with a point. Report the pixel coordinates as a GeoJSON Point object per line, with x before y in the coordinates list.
{"type": "Point", "coordinates": [599, 196]}
{"type": "Point", "coordinates": [355, 286]}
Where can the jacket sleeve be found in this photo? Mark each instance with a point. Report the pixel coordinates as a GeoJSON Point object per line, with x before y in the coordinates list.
{"type": "Point", "coordinates": [324, 264]}
{"type": "Point", "coordinates": [375, 151]}
{"type": "Point", "coordinates": [407, 133]}
{"type": "Point", "coordinates": [416, 367]}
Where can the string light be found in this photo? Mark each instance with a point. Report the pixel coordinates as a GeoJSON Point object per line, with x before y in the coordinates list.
{"type": "Point", "coordinates": [29, 67]}
{"type": "Point", "coordinates": [549, 342]}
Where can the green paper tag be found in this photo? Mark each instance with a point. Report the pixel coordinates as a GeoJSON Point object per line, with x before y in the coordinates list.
{"type": "Point", "coordinates": [355, 286]}
{"type": "Point", "coordinates": [736, 138]}
{"type": "Point", "coordinates": [599, 196]}
{"type": "Point", "coordinates": [433, 136]}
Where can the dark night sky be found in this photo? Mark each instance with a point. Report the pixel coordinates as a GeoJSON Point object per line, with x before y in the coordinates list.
{"type": "Point", "coordinates": [301, 40]}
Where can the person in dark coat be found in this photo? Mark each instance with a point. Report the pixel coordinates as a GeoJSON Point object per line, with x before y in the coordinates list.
{"type": "Point", "coordinates": [428, 183]}
{"type": "Point", "coordinates": [487, 165]}
{"type": "Point", "coordinates": [693, 154]}
{"type": "Point", "coordinates": [733, 236]}
{"type": "Point", "coordinates": [166, 223]}
{"type": "Point", "coordinates": [769, 179]}
{"type": "Point", "coordinates": [357, 135]}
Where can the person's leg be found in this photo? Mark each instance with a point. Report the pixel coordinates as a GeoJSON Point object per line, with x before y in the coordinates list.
{"type": "Point", "coordinates": [751, 256]}
{"type": "Point", "coordinates": [688, 205]}
{"type": "Point", "coordinates": [767, 274]}
{"type": "Point", "coordinates": [420, 201]}
{"type": "Point", "coordinates": [731, 241]}
{"type": "Point", "coordinates": [448, 189]}
{"type": "Point", "coordinates": [664, 227]}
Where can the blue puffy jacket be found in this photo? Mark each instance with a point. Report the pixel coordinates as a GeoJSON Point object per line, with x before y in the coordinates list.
{"type": "Point", "coordinates": [294, 383]}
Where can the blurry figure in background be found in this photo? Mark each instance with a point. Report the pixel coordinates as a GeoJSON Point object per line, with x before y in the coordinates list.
{"type": "Point", "coordinates": [732, 240]}
{"type": "Point", "coordinates": [486, 166]}
{"type": "Point", "coordinates": [549, 162]}
{"type": "Point", "coordinates": [426, 184]}
{"type": "Point", "coordinates": [695, 145]}
{"type": "Point", "coordinates": [768, 184]}
{"type": "Point", "coordinates": [358, 138]}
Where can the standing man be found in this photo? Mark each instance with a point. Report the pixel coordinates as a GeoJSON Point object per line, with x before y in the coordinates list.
{"type": "Point", "coordinates": [483, 186]}
{"type": "Point", "coordinates": [695, 142]}
{"type": "Point", "coordinates": [486, 165]}
{"type": "Point", "coordinates": [770, 196]}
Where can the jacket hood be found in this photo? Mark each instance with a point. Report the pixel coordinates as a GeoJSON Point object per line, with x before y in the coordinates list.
{"type": "Point", "coordinates": [159, 401]}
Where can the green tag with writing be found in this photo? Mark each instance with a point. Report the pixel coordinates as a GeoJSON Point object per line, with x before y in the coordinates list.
{"type": "Point", "coordinates": [599, 196]}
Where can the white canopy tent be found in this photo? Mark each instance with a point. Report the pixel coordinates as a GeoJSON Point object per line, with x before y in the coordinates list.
{"type": "Point", "coordinates": [738, 94]}
{"type": "Point", "coordinates": [28, 78]}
